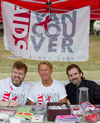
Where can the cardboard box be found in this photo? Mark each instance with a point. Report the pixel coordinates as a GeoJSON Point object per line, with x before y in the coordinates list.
{"type": "Point", "coordinates": [52, 113]}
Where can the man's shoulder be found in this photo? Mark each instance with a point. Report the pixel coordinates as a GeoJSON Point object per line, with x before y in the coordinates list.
{"type": "Point", "coordinates": [89, 81]}
{"type": "Point", "coordinates": [27, 84]}
{"type": "Point", "coordinates": [37, 83]}
{"type": "Point", "coordinates": [57, 82]}
{"type": "Point", "coordinates": [5, 80]}
{"type": "Point", "coordinates": [69, 85]}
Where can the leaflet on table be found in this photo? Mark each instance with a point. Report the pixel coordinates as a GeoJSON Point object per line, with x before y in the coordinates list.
{"type": "Point", "coordinates": [39, 110]}
{"type": "Point", "coordinates": [23, 109]}
{"type": "Point", "coordinates": [96, 110]}
{"type": "Point", "coordinates": [4, 114]}
{"type": "Point", "coordinates": [5, 111]}
{"type": "Point", "coordinates": [38, 107]}
{"type": "Point", "coordinates": [15, 120]}
{"type": "Point", "coordinates": [66, 119]}
{"type": "Point", "coordinates": [3, 117]}
{"type": "Point", "coordinates": [76, 109]}
{"type": "Point", "coordinates": [97, 107]}
{"type": "Point", "coordinates": [24, 113]}
{"type": "Point", "coordinates": [87, 106]}
{"type": "Point", "coordinates": [43, 113]}
{"type": "Point", "coordinates": [37, 119]}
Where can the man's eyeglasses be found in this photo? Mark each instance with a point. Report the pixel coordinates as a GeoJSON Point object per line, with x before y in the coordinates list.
{"type": "Point", "coordinates": [18, 73]}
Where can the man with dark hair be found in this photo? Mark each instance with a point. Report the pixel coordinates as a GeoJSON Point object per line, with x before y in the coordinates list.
{"type": "Point", "coordinates": [47, 89]}
{"type": "Point", "coordinates": [77, 80]}
{"type": "Point", "coordinates": [13, 90]}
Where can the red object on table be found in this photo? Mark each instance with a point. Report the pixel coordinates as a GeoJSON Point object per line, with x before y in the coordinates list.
{"type": "Point", "coordinates": [91, 118]}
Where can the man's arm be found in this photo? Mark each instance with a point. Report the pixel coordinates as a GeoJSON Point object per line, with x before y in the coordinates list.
{"type": "Point", "coordinates": [9, 104]}
{"type": "Point", "coordinates": [31, 103]}
{"type": "Point", "coordinates": [4, 103]}
{"type": "Point", "coordinates": [64, 100]}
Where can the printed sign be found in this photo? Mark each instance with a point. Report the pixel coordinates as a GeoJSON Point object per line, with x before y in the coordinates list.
{"type": "Point", "coordinates": [46, 36]}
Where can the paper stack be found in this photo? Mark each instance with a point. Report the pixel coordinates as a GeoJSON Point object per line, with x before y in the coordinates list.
{"type": "Point", "coordinates": [87, 106]}
{"type": "Point", "coordinates": [15, 120]}
{"type": "Point", "coordinates": [39, 110]}
{"type": "Point", "coordinates": [76, 110]}
{"type": "Point", "coordinates": [24, 113]}
{"type": "Point", "coordinates": [66, 119]}
{"type": "Point", "coordinates": [3, 117]}
{"type": "Point", "coordinates": [5, 111]}
{"type": "Point", "coordinates": [37, 119]}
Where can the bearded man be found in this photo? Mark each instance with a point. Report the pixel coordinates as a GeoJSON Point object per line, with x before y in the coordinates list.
{"type": "Point", "coordinates": [77, 80]}
{"type": "Point", "coordinates": [14, 90]}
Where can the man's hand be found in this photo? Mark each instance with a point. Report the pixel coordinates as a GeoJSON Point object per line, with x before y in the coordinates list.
{"type": "Point", "coordinates": [13, 104]}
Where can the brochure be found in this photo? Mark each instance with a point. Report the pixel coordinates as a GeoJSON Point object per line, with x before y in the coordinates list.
{"type": "Point", "coordinates": [39, 110]}
{"type": "Point", "coordinates": [5, 111]}
{"type": "Point", "coordinates": [24, 113]}
{"type": "Point", "coordinates": [23, 109]}
{"type": "Point", "coordinates": [66, 119]}
{"type": "Point", "coordinates": [37, 119]}
{"type": "Point", "coordinates": [38, 107]}
{"type": "Point", "coordinates": [76, 110]}
{"type": "Point", "coordinates": [87, 106]}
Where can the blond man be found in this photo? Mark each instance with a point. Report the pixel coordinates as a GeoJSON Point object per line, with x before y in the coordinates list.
{"type": "Point", "coordinates": [47, 89]}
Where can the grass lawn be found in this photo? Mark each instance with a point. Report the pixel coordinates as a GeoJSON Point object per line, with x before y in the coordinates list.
{"type": "Point", "coordinates": [90, 68]}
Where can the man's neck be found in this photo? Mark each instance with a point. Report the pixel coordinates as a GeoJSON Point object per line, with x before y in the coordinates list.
{"type": "Point", "coordinates": [47, 83]}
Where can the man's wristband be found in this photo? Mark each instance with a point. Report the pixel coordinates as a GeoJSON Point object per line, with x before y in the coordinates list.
{"type": "Point", "coordinates": [8, 104]}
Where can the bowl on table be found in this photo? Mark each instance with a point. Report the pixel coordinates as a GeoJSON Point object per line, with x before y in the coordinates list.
{"type": "Point", "coordinates": [91, 117]}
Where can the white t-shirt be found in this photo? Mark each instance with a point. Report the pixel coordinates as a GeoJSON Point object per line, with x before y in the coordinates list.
{"type": "Point", "coordinates": [40, 94]}
{"type": "Point", "coordinates": [9, 92]}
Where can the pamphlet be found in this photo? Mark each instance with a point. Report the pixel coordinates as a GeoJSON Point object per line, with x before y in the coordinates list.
{"type": "Point", "coordinates": [39, 110]}
{"type": "Point", "coordinates": [15, 120]}
{"type": "Point", "coordinates": [66, 119]}
{"type": "Point", "coordinates": [38, 107]}
{"type": "Point", "coordinates": [24, 113]}
{"type": "Point", "coordinates": [23, 109]}
{"type": "Point", "coordinates": [87, 106]}
{"type": "Point", "coordinates": [96, 110]}
{"type": "Point", "coordinates": [97, 107]}
{"type": "Point", "coordinates": [5, 111]}
{"type": "Point", "coordinates": [37, 119]}
{"type": "Point", "coordinates": [76, 110]}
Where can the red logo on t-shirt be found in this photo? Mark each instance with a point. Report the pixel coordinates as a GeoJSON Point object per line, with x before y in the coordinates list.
{"type": "Point", "coordinates": [40, 99]}
{"type": "Point", "coordinates": [48, 99]}
{"type": "Point", "coordinates": [6, 96]}
{"type": "Point", "coordinates": [11, 88]}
